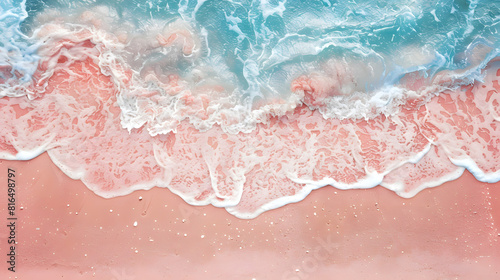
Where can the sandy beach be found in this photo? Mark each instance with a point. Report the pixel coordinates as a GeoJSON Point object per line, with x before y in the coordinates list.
{"type": "Point", "coordinates": [64, 231]}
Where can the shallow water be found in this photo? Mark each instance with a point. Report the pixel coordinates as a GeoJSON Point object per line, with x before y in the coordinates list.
{"type": "Point", "coordinates": [251, 105]}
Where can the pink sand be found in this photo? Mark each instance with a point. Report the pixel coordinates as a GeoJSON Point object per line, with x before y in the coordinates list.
{"type": "Point", "coordinates": [67, 232]}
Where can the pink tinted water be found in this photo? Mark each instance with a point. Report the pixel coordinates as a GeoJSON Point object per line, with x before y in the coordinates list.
{"type": "Point", "coordinates": [75, 118]}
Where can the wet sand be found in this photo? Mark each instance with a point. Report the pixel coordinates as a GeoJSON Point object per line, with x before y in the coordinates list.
{"type": "Point", "coordinates": [64, 231]}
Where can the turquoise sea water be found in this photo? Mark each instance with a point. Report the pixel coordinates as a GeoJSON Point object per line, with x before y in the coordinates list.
{"type": "Point", "coordinates": [256, 41]}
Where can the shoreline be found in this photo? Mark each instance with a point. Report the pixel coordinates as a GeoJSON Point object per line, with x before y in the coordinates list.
{"type": "Point", "coordinates": [66, 230]}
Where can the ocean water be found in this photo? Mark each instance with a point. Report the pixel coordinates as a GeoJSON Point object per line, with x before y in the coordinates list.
{"type": "Point", "coordinates": [250, 105]}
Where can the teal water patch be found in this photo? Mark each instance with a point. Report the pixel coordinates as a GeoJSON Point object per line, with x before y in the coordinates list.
{"type": "Point", "coordinates": [255, 39]}
{"type": "Point", "coordinates": [18, 57]}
